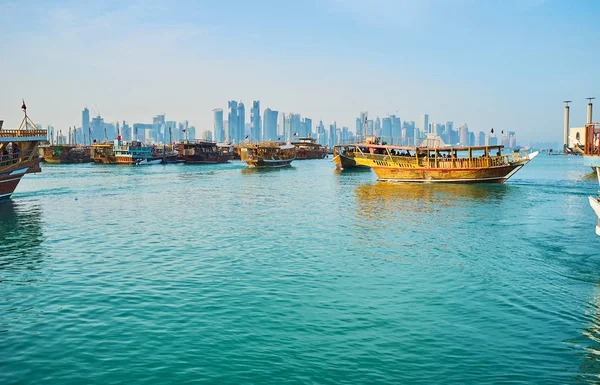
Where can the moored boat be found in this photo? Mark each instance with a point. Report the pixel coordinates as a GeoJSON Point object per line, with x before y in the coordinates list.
{"type": "Point", "coordinates": [308, 148]}
{"type": "Point", "coordinates": [120, 152]}
{"type": "Point", "coordinates": [65, 153]}
{"type": "Point", "coordinates": [19, 154]}
{"type": "Point", "coordinates": [204, 152]}
{"type": "Point", "coordinates": [432, 163]}
{"type": "Point", "coordinates": [267, 154]}
{"type": "Point", "coordinates": [343, 157]}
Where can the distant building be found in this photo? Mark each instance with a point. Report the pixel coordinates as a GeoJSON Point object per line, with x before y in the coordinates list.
{"type": "Point", "coordinates": [370, 131]}
{"type": "Point", "coordinates": [97, 129]}
{"type": "Point", "coordinates": [464, 134]}
{"type": "Point", "coordinates": [333, 140]}
{"type": "Point", "coordinates": [424, 123]}
{"type": "Point", "coordinates": [386, 129]}
{"type": "Point", "coordinates": [158, 128]}
{"type": "Point", "coordinates": [481, 138]}
{"type": "Point", "coordinates": [269, 131]}
{"type": "Point", "coordinates": [232, 118]}
{"type": "Point", "coordinates": [377, 126]}
{"type": "Point", "coordinates": [396, 130]}
{"type": "Point", "coordinates": [207, 135]}
{"type": "Point", "coordinates": [85, 121]}
{"type": "Point", "coordinates": [491, 140]}
{"type": "Point", "coordinates": [322, 134]}
{"type": "Point", "coordinates": [255, 121]}
{"type": "Point", "coordinates": [191, 133]}
{"type": "Point", "coordinates": [308, 130]}
{"type": "Point", "coordinates": [219, 131]}
{"type": "Point", "coordinates": [171, 133]}
{"type": "Point", "coordinates": [241, 122]}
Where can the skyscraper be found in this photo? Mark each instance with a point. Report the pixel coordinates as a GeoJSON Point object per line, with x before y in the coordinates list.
{"type": "Point", "coordinates": [481, 138]}
{"type": "Point", "coordinates": [270, 125]}
{"type": "Point", "coordinates": [158, 126]}
{"type": "Point", "coordinates": [396, 129]}
{"type": "Point", "coordinates": [386, 129]}
{"type": "Point", "coordinates": [464, 134]}
{"type": "Point", "coordinates": [332, 134]}
{"type": "Point", "coordinates": [307, 127]}
{"type": "Point", "coordinates": [377, 126]}
{"type": "Point", "coordinates": [424, 123]}
{"type": "Point", "coordinates": [321, 134]}
{"type": "Point", "coordinates": [85, 121]}
{"type": "Point", "coordinates": [255, 123]}
{"type": "Point", "coordinates": [232, 118]}
{"type": "Point", "coordinates": [219, 131]}
{"type": "Point", "coordinates": [241, 122]}
{"type": "Point", "coordinates": [363, 123]}
{"type": "Point", "coordinates": [98, 129]}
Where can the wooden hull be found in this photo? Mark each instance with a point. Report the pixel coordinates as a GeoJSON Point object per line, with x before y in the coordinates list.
{"type": "Point", "coordinates": [66, 161]}
{"type": "Point", "coordinates": [201, 159]}
{"type": "Point", "coordinates": [11, 176]}
{"type": "Point", "coordinates": [262, 163]}
{"type": "Point", "coordinates": [346, 162]}
{"type": "Point", "coordinates": [66, 154]}
{"type": "Point", "coordinates": [499, 174]}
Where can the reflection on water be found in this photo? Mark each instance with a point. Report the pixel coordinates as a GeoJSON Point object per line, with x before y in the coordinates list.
{"type": "Point", "coordinates": [424, 197]}
{"type": "Point", "coordinates": [21, 234]}
{"type": "Point", "coordinates": [263, 170]}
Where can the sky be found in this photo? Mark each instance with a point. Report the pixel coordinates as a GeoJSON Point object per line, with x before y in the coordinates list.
{"type": "Point", "coordinates": [506, 64]}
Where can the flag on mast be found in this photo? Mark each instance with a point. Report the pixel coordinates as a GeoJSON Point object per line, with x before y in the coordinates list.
{"type": "Point", "coordinates": [23, 107]}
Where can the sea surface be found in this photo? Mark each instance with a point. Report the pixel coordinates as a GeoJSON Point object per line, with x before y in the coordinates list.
{"type": "Point", "coordinates": [185, 274]}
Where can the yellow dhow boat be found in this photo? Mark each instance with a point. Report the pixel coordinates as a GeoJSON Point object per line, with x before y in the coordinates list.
{"type": "Point", "coordinates": [430, 163]}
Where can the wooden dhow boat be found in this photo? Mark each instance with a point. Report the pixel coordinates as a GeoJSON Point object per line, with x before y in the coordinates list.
{"type": "Point", "coordinates": [267, 154]}
{"type": "Point", "coordinates": [204, 152]}
{"type": "Point", "coordinates": [120, 152]}
{"type": "Point", "coordinates": [431, 162]}
{"type": "Point", "coordinates": [19, 153]}
{"type": "Point", "coordinates": [343, 156]}
{"type": "Point", "coordinates": [65, 153]}
{"type": "Point", "coordinates": [308, 148]}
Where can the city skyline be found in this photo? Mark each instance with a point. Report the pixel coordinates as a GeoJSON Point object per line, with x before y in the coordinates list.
{"type": "Point", "coordinates": [376, 58]}
{"type": "Point", "coordinates": [391, 129]}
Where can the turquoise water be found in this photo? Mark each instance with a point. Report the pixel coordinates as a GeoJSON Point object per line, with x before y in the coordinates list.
{"type": "Point", "coordinates": [183, 274]}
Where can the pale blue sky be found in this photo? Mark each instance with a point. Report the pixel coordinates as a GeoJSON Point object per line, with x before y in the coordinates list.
{"type": "Point", "coordinates": [504, 64]}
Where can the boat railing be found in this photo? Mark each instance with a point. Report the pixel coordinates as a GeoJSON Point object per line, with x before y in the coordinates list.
{"type": "Point", "coordinates": [22, 133]}
{"type": "Point", "coordinates": [435, 162]}
{"type": "Point", "coordinates": [16, 157]}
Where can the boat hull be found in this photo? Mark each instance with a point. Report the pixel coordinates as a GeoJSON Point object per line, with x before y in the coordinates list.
{"type": "Point", "coordinates": [498, 174]}
{"type": "Point", "coordinates": [10, 178]}
{"type": "Point", "coordinates": [191, 159]}
{"type": "Point", "coordinates": [346, 162]}
{"type": "Point", "coordinates": [262, 163]}
{"type": "Point", "coordinates": [8, 185]}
